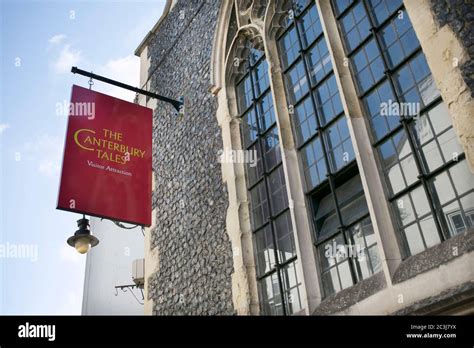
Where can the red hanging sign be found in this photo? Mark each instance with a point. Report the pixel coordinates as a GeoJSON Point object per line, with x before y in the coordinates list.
{"type": "Point", "coordinates": [106, 169]}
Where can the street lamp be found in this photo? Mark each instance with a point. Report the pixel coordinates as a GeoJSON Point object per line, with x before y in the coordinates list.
{"type": "Point", "coordinates": [83, 240]}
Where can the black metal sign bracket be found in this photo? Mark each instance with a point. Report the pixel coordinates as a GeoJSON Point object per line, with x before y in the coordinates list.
{"type": "Point", "coordinates": [178, 104]}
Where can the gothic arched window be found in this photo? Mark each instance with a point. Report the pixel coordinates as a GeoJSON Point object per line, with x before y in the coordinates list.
{"type": "Point", "coordinates": [275, 252]}
{"type": "Point", "coordinates": [430, 188]}
{"type": "Point", "coordinates": [345, 239]}
{"type": "Point", "coordinates": [327, 236]}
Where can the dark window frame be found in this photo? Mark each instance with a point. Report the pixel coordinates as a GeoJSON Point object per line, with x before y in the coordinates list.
{"type": "Point", "coordinates": [406, 123]}
{"type": "Point", "coordinates": [265, 179]}
{"type": "Point", "coordinates": [321, 131]}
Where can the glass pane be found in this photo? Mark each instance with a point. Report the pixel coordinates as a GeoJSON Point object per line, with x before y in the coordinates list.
{"type": "Point", "coordinates": [354, 210]}
{"type": "Point", "coordinates": [265, 250]}
{"type": "Point", "coordinates": [368, 66]}
{"type": "Point", "coordinates": [351, 198]}
{"type": "Point", "coordinates": [260, 74]}
{"type": "Point", "coordinates": [364, 263]}
{"type": "Point", "coordinates": [395, 178]}
{"type": "Point", "coordinates": [444, 188]}
{"type": "Point", "coordinates": [250, 128]}
{"type": "Point", "coordinates": [387, 153]}
{"type": "Point", "coordinates": [430, 232]}
{"type": "Point", "coordinates": [266, 112]}
{"type": "Point", "coordinates": [381, 123]}
{"type": "Point", "coordinates": [255, 166]}
{"type": "Point", "coordinates": [455, 219]}
{"type": "Point", "coordinates": [375, 259]}
{"type": "Point", "coordinates": [233, 28]}
{"type": "Point", "coordinates": [289, 47]}
{"type": "Point", "coordinates": [314, 164]}
{"type": "Point", "coordinates": [325, 220]}
{"type": "Point", "coordinates": [291, 288]}
{"type": "Point", "coordinates": [300, 5]}
{"type": "Point", "coordinates": [345, 274]}
{"type": "Point", "coordinates": [327, 225]}
{"type": "Point", "coordinates": [450, 146]}
{"type": "Point", "coordinates": [467, 203]}
{"type": "Point", "coordinates": [428, 90]}
{"type": "Point", "coordinates": [398, 39]}
{"type": "Point", "coordinates": [296, 83]}
{"type": "Point", "coordinates": [254, 55]}
{"type": "Point", "coordinates": [339, 143]}
{"type": "Point", "coordinates": [382, 9]}
{"type": "Point", "coordinates": [328, 100]}
{"type": "Point", "coordinates": [420, 201]}
{"type": "Point", "coordinates": [415, 83]}
{"type": "Point", "coordinates": [331, 282]}
{"type": "Point", "coordinates": [404, 210]}
{"type": "Point", "coordinates": [305, 120]}
{"type": "Point", "coordinates": [402, 144]}
{"type": "Point", "coordinates": [319, 61]}
{"type": "Point", "coordinates": [413, 236]}
{"type": "Point", "coordinates": [409, 169]}
{"type": "Point", "coordinates": [270, 295]}
{"type": "Point", "coordinates": [293, 300]}
{"type": "Point", "coordinates": [439, 118]}
{"type": "Point", "coordinates": [244, 94]}
{"type": "Point", "coordinates": [278, 195]}
{"type": "Point", "coordinates": [408, 39]}
{"type": "Point", "coordinates": [341, 5]}
{"type": "Point", "coordinates": [423, 129]}
{"type": "Point", "coordinates": [355, 26]}
{"type": "Point", "coordinates": [357, 234]}
{"type": "Point", "coordinates": [462, 177]}
{"type": "Point", "coordinates": [259, 205]}
{"type": "Point", "coordinates": [348, 22]}
{"type": "Point", "coordinates": [328, 252]}
{"type": "Point", "coordinates": [404, 80]}
{"type": "Point", "coordinates": [419, 68]}
{"type": "Point", "coordinates": [348, 190]}
{"type": "Point", "coordinates": [363, 235]}
{"type": "Point", "coordinates": [285, 238]}
{"type": "Point", "coordinates": [368, 231]}
{"type": "Point", "coordinates": [271, 148]}
{"type": "Point", "coordinates": [310, 26]}
{"type": "Point", "coordinates": [432, 156]}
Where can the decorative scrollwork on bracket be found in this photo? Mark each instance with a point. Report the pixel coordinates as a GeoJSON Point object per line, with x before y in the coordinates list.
{"type": "Point", "coordinates": [131, 287]}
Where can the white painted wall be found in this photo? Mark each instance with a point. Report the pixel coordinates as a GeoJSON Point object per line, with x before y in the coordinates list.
{"type": "Point", "coordinates": [110, 264]}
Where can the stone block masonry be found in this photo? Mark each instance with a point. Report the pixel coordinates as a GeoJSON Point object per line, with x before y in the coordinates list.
{"type": "Point", "coordinates": [194, 252]}
{"type": "Point", "coordinates": [459, 15]}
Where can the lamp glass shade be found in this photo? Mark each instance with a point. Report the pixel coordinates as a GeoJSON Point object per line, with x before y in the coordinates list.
{"type": "Point", "coordinates": [83, 244]}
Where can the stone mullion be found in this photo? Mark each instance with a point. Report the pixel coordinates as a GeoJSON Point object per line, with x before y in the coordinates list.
{"type": "Point", "coordinates": [372, 181]}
